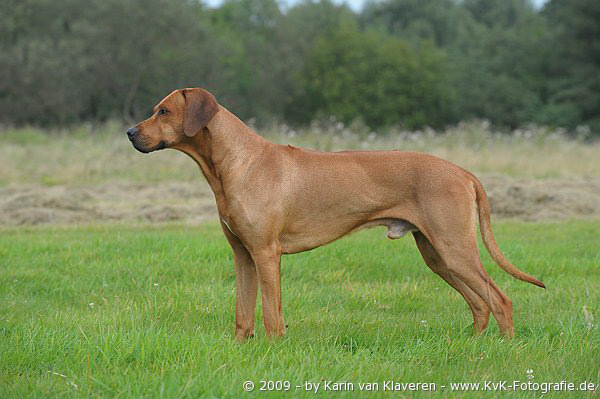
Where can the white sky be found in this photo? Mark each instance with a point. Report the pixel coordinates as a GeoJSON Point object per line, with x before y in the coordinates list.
{"type": "Point", "coordinates": [354, 4]}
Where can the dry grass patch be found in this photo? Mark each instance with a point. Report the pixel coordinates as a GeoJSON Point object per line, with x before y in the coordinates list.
{"type": "Point", "coordinates": [90, 175]}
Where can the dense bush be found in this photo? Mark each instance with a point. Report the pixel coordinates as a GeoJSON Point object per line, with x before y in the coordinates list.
{"type": "Point", "coordinates": [397, 62]}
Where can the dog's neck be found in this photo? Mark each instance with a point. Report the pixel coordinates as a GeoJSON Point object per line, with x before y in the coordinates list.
{"type": "Point", "coordinates": [225, 144]}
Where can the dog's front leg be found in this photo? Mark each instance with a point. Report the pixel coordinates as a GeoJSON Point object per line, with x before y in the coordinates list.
{"type": "Point", "coordinates": [268, 268]}
{"type": "Point", "coordinates": [246, 287]}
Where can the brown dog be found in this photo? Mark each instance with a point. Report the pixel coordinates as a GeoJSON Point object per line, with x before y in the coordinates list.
{"type": "Point", "coordinates": [274, 199]}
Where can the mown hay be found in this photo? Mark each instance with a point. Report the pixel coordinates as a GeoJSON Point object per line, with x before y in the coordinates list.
{"type": "Point", "coordinates": [193, 203]}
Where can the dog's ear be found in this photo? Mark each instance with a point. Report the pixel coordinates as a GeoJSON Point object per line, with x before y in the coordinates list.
{"type": "Point", "coordinates": [200, 108]}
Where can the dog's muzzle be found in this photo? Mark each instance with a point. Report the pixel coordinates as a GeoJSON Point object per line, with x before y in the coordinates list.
{"type": "Point", "coordinates": [131, 132]}
{"type": "Point", "coordinates": [140, 143]}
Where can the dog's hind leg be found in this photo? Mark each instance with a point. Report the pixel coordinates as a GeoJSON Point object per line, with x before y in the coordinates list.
{"type": "Point", "coordinates": [480, 310]}
{"type": "Point", "coordinates": [461, 256]}
{"type": "Point", "coordinates": [449, 225]}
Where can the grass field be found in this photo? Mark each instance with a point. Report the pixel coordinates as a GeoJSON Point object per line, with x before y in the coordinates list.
{"type": "Point", "coordinates": [103, 154]}
{"type": "Point", "coordinates": [116, 311]}
{"type": "Point", "coordinates": [92, 175]}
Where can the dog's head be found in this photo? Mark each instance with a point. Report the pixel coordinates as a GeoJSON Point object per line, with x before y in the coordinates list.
{"type": "Point", "coordinates": [180, 115]}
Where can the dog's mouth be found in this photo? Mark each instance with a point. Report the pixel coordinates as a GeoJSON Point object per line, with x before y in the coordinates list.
{"type": "Point", "coordinates": [145, 150]}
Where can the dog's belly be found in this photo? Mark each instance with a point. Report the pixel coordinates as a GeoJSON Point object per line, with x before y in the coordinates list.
{"type": "Point", "coordinates": [315, 236]}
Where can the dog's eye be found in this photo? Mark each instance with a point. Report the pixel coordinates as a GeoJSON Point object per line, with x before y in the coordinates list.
{"type": "Point", "coordinates": [162, 111]}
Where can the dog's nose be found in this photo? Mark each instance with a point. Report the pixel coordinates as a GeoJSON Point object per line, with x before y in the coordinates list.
{"type": "Point", "coordinates": [131, 132]}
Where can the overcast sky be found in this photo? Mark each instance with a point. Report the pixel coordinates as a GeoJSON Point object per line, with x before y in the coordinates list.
{"type": "Point", "coordinates": [354, 4]}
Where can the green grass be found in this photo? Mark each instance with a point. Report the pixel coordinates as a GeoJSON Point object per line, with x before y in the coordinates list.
{"type": "Point", "coordinates": [149, 312]}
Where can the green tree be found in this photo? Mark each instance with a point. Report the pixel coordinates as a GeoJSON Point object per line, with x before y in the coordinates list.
{"type": "Point", "coordinates": [573, 65]}
{"type": "Point", "coordinates": [255, 29]}
{"type": "Point", "coordinates": [413, 62]}
{"type": "Point", "coordinates": [306, 24]}
{"type": "Point", "coordinates": [40, 69]}
{"type": "Point", "coordinates": [67, 61]}
{"type": "Point", "coordinates": [495, 51]}
{"type": "Point", "coordinates": [443, 22]}
{"type": "Point", "coordinates": [498, 72]}
{"type": "Point", "coordinates": [365, 75]}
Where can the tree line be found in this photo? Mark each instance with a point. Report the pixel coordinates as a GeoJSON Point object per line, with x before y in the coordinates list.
{"type": "Point", "coordinates": [411, 63]}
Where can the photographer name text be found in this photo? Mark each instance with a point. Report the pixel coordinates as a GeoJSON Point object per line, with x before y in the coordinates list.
{"type": "Point", "coordinates": [397, 386]}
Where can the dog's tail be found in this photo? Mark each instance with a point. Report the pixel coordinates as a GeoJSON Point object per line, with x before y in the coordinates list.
{"type": "Point", "coordinates": [485, 225]}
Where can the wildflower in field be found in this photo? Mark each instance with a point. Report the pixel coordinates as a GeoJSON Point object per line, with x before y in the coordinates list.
{"type": "Point", "coordinates": [589, 318]}
{"type": "Point", "coordinates": [530, 374]}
